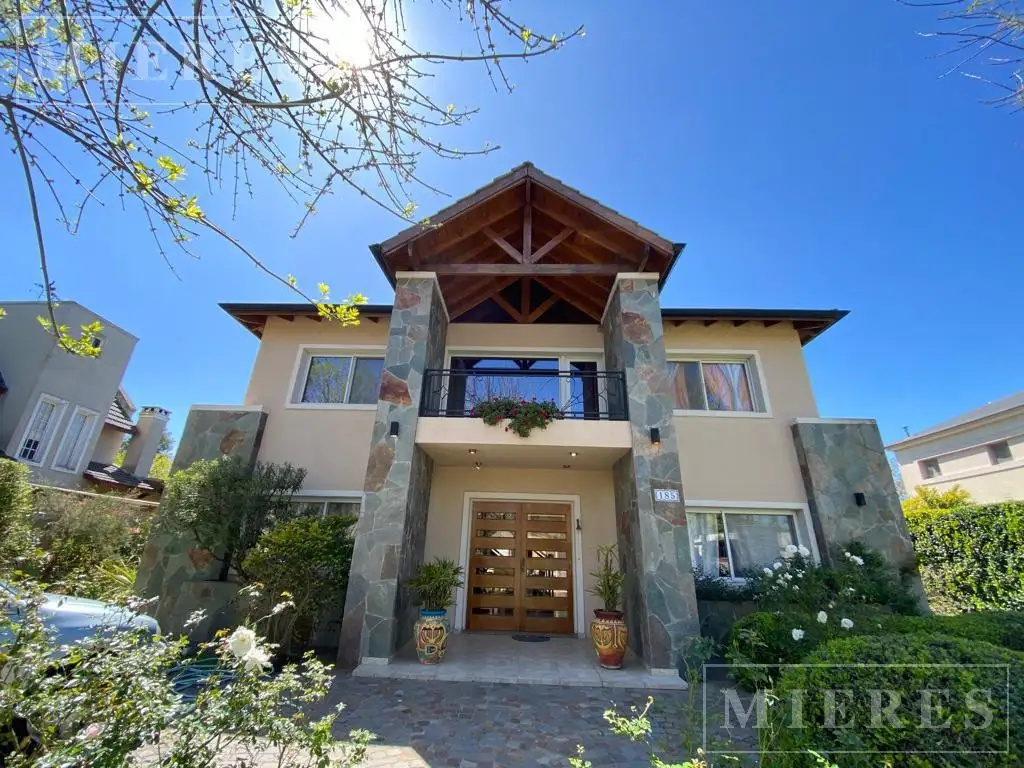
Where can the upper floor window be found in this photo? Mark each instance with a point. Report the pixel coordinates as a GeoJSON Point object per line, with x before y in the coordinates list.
{"type": "Point", "coordinates": [716, 385]}
{"type": "Point", "coordinates": [930, 468]}
{"type": "Point", "coordinates": [38, 435]}
{"type": "Point", "coordinates": [1000, 452]}
{"type": "Point", "coordinates": [76, 439]}
{"type": "Point", "coordinates": [339, 379]}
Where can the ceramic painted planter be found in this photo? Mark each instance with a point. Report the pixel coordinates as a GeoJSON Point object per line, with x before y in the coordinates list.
{"type": "Point", "coordinates": [431, 633]}
{"type": "Point", "coordinates": [610, 636]}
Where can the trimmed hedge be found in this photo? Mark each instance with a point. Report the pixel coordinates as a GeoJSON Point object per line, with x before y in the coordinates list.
{"type": "Point", "coordinates": [972, 558]}
{"type": "Point", "coordinates": [766, 638]}
{"type": "Point", "coordinates": [902, 742]}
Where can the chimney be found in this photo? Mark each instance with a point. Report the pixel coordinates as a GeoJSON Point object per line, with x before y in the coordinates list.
{"type": "Point", "coordinates": [142, 447]}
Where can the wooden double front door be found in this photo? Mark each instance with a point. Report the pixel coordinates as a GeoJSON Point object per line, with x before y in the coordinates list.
{"type": "Point", "coordinates": [520, 567]}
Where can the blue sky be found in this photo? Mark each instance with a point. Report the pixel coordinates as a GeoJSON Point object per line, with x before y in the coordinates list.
{"type": "Point", "coordinates": [807, 153]}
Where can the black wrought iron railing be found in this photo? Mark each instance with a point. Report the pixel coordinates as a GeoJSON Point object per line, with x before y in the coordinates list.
{"type": "Point", "coordinates": [578, 394]}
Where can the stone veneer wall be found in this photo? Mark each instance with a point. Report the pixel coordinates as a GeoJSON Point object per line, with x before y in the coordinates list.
{"type": "Point", "coordinates": [391, 532]}
{"type": "Point", "coordinates": [654, 544]}
{"type": "Point", "coordinates": [838, 459]}
{"type": "Point", "coordinates": [173, 569]}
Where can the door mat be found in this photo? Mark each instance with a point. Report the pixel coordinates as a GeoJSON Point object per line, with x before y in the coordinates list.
{"type": "Point", "coordinates": [531, 638]}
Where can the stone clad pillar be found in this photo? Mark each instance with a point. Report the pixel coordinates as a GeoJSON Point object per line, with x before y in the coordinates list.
{"type": "Point", "coordinates": [653, 540]}
{"type": "Point", "coordinates": [392, 528]}
{"type": "Point", "coordinates": [840, 458]}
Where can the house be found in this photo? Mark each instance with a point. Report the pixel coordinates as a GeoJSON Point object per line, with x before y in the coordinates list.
{"type": "Point", "coordinates": [688, 437]}
{"type": "Point", "coordinates": [981, 450]}
{"type": "Point", "coordinates": [64, 415]}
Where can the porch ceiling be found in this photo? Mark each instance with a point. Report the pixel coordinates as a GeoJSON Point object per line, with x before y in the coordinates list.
{"type": "Point", "coordinates": [527, 248]}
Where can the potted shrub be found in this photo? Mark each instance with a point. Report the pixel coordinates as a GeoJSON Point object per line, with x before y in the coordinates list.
{"type": "Point", "coordinates": [607, 630]}
{"type": "Point", "coordinates": [434, 586]}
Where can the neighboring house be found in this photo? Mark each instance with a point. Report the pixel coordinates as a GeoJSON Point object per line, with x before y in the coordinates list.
{"type": "Point", "coordinates": [982, 451]}
{"type": "Point", "coordinates": [691, 436]}
{"type": "Point", "coordinates": [64, 415]}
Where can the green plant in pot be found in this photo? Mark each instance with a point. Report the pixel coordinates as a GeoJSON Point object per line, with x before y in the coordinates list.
{"type": "Point", "coordinates": [608, 630]}
{"type": "Point", "coordinates": [434, 587]}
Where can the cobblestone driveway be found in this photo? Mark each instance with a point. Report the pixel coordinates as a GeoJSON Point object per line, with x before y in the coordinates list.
{"type": "Point", "coordinates": [480, 725]}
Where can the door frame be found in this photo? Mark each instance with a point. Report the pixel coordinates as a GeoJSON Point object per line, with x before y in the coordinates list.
{"type": "Point", "coordinates": [461, 596]}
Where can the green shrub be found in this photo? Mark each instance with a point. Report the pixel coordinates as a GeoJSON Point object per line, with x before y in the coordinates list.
{"type": "Point", "coordinates": [861, 576]}
{"type": "Point", "coordinates": [226, 505]}
{"type": "Point", "coordinates": [765, 638]}
{"type": "Point", "coordinates": [972, 558]}
{"type": "Point", "coordinates": [16, 540]}
{"type": "Point", "coordinates": [899, 663]}
{"type": "Point", "coordinates": [308, 558]}
{"type": "Point", "coordinates": [724, 590]}
{"type": "Point", "coordinates": [81, 535]}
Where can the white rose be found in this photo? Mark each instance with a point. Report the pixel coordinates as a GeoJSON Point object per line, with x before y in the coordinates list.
{"type": "Point", "coordinates": [856, 560]}
{"type": "Point", "coordinates": [822, 617]}
{"type": "Point", "coordinates": [846, 624]}
{"type": "Point", "coordinates": [768, 572]}
{"type": "Point", "coordinates": [847, 555]}
{"type": "Point", "coordinates": [256, 659]}
{"type": "Point", "coordinates": [796, 588]}
{"type": "Point", "coordinates": [241, 642]}
{"type": "Point", "coordinates": [798, 634]}
{"type": "Point", "coordinates": [804, 551]}
{"type": "Point", "coordinates": [789, 551]}
{"type": "Point", "coordinates": [776, 566]}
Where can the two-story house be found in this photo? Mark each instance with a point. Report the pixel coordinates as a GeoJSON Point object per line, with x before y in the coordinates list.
{"type": "Point", "coordinates": [688, 437]}
{"type": "Point", "coordinates": [64, 415]}
{"type": "Point", "coordinates": [981, 450]}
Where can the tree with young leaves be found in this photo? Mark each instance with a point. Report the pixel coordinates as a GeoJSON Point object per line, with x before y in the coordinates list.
{"type": "Point", "coordinates": [168, 101]}
{"type": "Point", "coordinates": [986, 43]}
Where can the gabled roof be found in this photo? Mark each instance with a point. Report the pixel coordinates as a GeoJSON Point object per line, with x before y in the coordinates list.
{"type": "Point", "coordinates": [509, 180]}
{"type": "Point", "coordinates": [118, 416]}
{"type": "Point", "coordinates": [988, 410]}
{"type": "Point", "coordinates": [111, 474]}
{"type": "Point", "coordinates": [527, 248]}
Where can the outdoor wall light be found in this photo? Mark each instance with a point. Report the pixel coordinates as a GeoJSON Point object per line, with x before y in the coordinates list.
{"type": "Point", "coordinates": [655, 436]}
{"type": "Point", "coordinates": [574, 454]}
{"type": "Point", "coordinates": [394, 429]}
{"type": "Point", "coordinates": [471, 451]}
{"type": "Point", "coordinates": [860, 499]}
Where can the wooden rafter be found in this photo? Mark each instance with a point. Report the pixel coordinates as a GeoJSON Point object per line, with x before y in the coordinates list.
{"type": "Point", "coordinates": [528, 227]}
{"type": "Point", "coordinates": [524, 296]}
{"type": "Point", "coordinates": [460, 256]}
{"type": "Point", "coordinates": [576, 222]}
{"type": "Point", "coordinates": [541, 308]}
{"type": "Point", "coordinates": [528, 270]}
{"type": "Point", "coordinates": [454, 232]}
{"type": "Point", "coordinates": [502, 243]}
{"type": "Point", "coordinates": [514, 313]}
{"type": "Point", "coordinates": [479, 298]}
{"type": "Point", "coordinates": [586, 302]}
{"type": "Point", "coordinates": [549, 246]}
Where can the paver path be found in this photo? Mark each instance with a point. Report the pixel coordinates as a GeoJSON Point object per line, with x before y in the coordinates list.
{"type": "Point", "coordinates": [479, 725]}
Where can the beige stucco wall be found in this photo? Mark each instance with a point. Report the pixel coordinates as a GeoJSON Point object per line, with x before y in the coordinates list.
{"type": "Point", "coordinates": [108, 444]}
{"type": "Point", "coordinates": [964, 459]}
{"type": "Point", "coordinates": [745, 458]}
{"type": "Point", "coordinates": [597, 508]}
{"type": "Point", "coordinates": [331, 444]}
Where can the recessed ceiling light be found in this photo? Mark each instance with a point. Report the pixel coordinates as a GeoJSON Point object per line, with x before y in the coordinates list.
{"type": "Point", "coordinates": [573, 453]}
{"type": "Point", "coordinates": [477, 465]}
{"type": "Point", "coordinates": [567, 466]}
{"type": "Point", "coordinates": [471, 451]}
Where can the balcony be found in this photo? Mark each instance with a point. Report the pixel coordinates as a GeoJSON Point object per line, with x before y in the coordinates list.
{"type": "Point", "coordinates": [592, 430]}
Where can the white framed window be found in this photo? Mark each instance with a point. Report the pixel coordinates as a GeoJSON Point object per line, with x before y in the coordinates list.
{"type": "Point", "coordinates": [35, 443]}
{"type": "Point", "coordinates": [329, 377]}
{"type": "Point", "coordinates": [77, 436]}
{"type": "Point", "coordinates": [321, 506]}
{"type": "Point", "coordinates": [717, 384]}
{"type": "Point", "coordinates": [733, 542]}
{"type": "Point", "coordinates": [930, 468]}
{"type": "Point", "coordinates": [1000, 452]}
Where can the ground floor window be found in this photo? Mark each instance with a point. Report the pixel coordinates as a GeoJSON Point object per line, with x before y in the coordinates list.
{"type": "Point", "coordinates": [733, 543]}
{"type": "Point", "coordinates": [323, 506]}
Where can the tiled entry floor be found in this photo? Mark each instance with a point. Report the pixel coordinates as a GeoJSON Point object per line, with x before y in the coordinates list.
{"type": "Point", "coordinates": [498, 658]}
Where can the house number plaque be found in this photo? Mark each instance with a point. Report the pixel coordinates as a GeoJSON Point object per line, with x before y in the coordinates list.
{"type": "Point", "coordinates": [666, 494]}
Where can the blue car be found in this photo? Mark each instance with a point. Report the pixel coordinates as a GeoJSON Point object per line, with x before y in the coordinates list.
{"type": "Point", "coordinates": [73, 619]}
